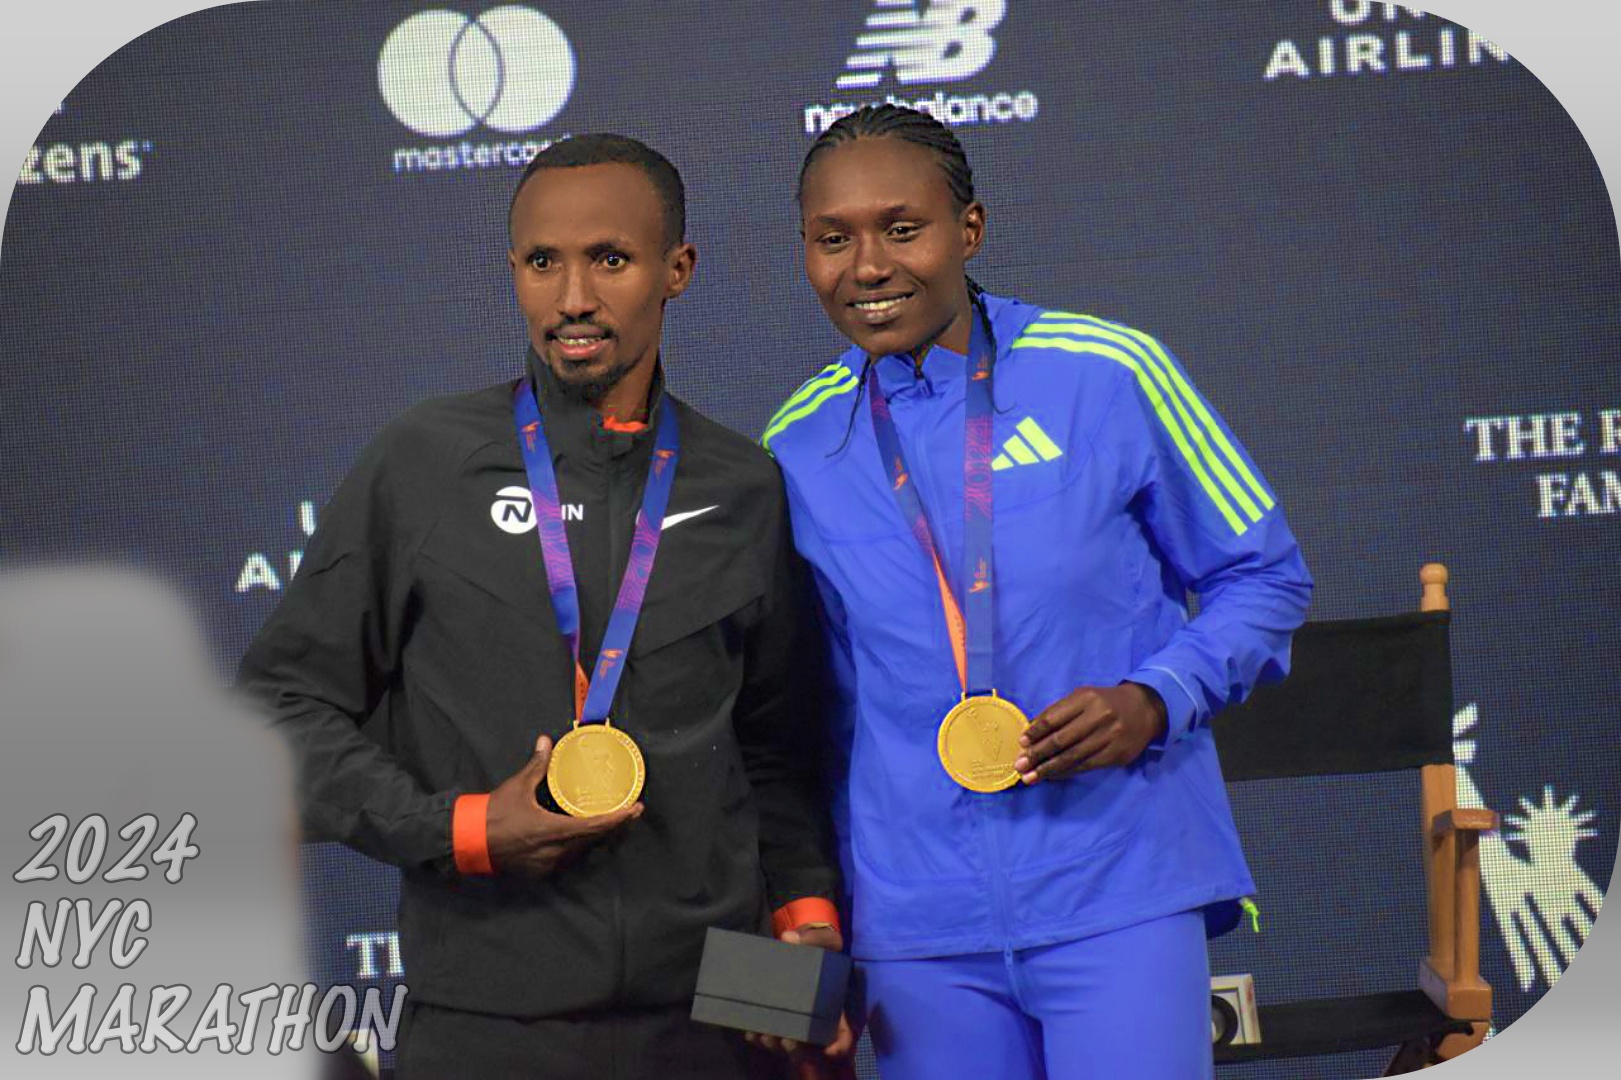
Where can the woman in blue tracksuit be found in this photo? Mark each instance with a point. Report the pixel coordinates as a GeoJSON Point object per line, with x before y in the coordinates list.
{"type": "Point", "coordinates": [1006, 505]}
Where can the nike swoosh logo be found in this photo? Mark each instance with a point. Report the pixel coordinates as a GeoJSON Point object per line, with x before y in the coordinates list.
{"type": "Point", "coordinates": [676, 519]}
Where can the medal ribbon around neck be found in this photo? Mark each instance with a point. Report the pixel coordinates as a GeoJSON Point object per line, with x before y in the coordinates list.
{"type": "Point", "coordinates": [978, 739]}
{"type": "Point", "coordinates": [971, 642]}
{"type": "Point", "coordinates": [593, 698]}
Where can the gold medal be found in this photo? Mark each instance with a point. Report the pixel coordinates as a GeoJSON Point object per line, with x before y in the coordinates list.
{"type": "Point", "coordinates": [595, 769]}
{"type": "Point", "coordinates": [979, 742]}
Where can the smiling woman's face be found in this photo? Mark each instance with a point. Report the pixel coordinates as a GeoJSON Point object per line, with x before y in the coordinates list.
{"type": "Point", "coordinates": [886, 246]}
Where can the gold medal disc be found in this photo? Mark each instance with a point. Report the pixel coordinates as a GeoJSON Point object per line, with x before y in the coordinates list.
{"type": "Point", "coordinates": [979, 742]}
{"type": "Point", "coordinates": [595, 769]}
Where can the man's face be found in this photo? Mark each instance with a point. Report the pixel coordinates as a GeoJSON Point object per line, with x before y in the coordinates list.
{"type": "Point", "coordinates": [592, 269]}
{"type": "Point", "coordinates": [885, 246]}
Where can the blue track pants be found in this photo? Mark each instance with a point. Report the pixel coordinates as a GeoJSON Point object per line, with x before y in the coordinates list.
{"type": "Point", "coordinates": [1129, 1005]}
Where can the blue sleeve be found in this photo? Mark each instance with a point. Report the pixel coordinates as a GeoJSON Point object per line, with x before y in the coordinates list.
{"type": "Point", "coordinates": [1219, 526]}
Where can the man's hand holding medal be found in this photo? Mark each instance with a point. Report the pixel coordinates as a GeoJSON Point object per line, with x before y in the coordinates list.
{"type": "Point", "coordinates": [526, 838]}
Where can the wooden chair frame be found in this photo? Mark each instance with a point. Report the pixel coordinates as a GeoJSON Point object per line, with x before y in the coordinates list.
{"type": "Point", "coordinates": [1450, 974]}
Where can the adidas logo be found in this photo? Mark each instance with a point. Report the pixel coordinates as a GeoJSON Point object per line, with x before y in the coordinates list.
{"type": "Point", "coordinates": [1032, 449]}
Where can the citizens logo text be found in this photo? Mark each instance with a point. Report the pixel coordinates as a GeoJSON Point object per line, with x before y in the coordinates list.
{"type": "Point", "coordinates": [442, 74]}
{"type": "Point", "coordinates": [89, 161]}
{"type": "Point", "coordinates": [923, 42]}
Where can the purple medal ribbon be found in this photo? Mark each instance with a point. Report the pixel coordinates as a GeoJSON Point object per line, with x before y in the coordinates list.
{"type": "Point", "coordinates": [554, 552]}
{"type": "Point", "coordinates": [977, 667]}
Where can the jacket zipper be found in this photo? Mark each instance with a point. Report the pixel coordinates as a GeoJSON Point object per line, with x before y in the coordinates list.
{"type": "Point", "coordinates": [616, 501]}
{"type": "Point", "coordinates": [999, 889]}
{"type": "Point", "coordinates": [985, 814]}
{"type": "Point", "coordinates": [921, 376]}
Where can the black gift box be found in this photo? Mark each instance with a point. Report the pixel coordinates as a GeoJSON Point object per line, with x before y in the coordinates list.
{"type": "Point", "coordinates": [756, 984]}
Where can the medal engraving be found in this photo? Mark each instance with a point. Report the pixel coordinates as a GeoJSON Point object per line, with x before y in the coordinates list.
{"type": "Point", "coordinates": [979, 742]}
{"type": "Point", "coordinates": [595, 769]}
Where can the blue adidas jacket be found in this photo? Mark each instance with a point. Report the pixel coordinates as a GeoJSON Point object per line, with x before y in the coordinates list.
{"type": "Point", "coordinates": [1117, 490]}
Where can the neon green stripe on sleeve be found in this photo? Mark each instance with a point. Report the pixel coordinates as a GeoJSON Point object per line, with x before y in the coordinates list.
{"type": "Point", "coordinates": [1161, 409]}
{"type": "Point", "coordinates": [1214, 428]}
{"type": "Point", "coordinates": [1177, 390]}
{"type": "Point", "coordinates": [826, 377]}
{"type": "Point", "coordinates": [807, 407]}
{"type": "Point", "coordinates": [1187, 392]}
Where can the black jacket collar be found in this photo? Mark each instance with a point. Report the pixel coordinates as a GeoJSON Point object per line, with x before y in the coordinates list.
{"type": "Point", "coordinates": [575, 425]}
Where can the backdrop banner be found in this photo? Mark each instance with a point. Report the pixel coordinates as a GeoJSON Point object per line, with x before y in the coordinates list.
{"type": "Point", "coordinates": [1378, 243]}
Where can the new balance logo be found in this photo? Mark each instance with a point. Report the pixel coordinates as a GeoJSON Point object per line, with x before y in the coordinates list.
{"type": "Point", "coordinates": [1030, 446]}
{"type": "Point", "coordinates": [947, 41]}
{"type": "Point", "coordinates": [926, 41]}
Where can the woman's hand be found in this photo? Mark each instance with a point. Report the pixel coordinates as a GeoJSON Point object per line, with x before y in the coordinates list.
{"type": "Point", "coordinates": [1093, 727]}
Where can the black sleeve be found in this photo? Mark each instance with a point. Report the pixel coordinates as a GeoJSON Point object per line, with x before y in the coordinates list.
{"type": "Point", "coordinates": [778, 718]}
{"type": "Point", "coordinates": [322, 663]}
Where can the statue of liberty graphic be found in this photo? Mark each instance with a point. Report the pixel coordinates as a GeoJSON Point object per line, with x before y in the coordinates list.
{"type": "Point", "coordinates": [594, 786]}
{"type": "Point", "coordinates": [606, 772]}
{"type": "Point", "coordinates": [1544, 902]}
{"type": "Point", "coordinates": [990, 738]}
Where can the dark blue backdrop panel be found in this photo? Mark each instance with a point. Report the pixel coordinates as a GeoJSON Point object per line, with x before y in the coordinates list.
{"type": "Point", "coordinates": [1377, 243]}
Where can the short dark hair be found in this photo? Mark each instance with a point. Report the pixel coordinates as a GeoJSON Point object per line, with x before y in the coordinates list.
{"type": "Point", "coordinates": [603, 148]}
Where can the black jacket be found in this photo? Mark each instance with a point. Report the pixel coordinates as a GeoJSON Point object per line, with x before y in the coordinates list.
{"type": "Point", "coordinates": [416, 657]}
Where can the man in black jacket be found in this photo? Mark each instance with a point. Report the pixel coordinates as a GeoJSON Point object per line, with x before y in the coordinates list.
{"type": "Point", "coordinates": [535, 943]}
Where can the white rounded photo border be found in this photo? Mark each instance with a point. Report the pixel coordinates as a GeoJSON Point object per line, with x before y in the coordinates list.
{"type": "Point", "coordinates": [46, 49]}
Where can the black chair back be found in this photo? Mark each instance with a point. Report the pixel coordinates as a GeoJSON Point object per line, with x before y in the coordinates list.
{"type": "Point", "coordinates": [1332, 715]}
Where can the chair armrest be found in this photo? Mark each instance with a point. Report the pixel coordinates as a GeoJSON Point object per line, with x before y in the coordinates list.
{"type": "Point", "coordinates": [1461, 819]}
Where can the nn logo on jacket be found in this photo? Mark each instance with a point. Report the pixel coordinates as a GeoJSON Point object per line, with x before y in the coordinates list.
{"type": "Point", "coordinates": [513, 511]}
{"type": "Point", "coordinates": [1028, 446]}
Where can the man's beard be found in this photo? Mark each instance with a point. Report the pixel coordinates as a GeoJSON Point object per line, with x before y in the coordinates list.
{"type": "Point", "coordinates": [590, 387]}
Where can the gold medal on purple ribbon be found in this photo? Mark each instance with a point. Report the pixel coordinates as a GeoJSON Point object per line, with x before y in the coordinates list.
{"type": "Point", "coordinates": [979, 742]}
{"type": "Point", "coordinates": [595, 769]}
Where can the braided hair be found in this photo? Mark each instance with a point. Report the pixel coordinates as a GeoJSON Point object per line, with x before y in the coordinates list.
{"type": "Point", "coordinates": [891, 121]}
{"type": "Point", "coordinates": [897, 121]}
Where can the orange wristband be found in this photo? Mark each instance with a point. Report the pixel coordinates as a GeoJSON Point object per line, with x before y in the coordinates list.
{"type": "Point", "coordinates": [807, 909]}
{"type": "Point", "coordinates": [468, 839]}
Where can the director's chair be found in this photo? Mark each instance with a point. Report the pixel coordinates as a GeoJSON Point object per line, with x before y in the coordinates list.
{"type": "Point", "coordinates": [1369, 696]}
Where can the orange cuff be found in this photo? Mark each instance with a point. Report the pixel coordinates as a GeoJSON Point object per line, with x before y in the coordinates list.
{"type": "Point", "coordinates": [808, 909]}
{"type": "Point", "coordinates": [468, 839]}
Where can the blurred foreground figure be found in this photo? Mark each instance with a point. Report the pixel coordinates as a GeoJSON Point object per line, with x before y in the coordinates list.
{"type": "Point", "coordinates": [149, 842]}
